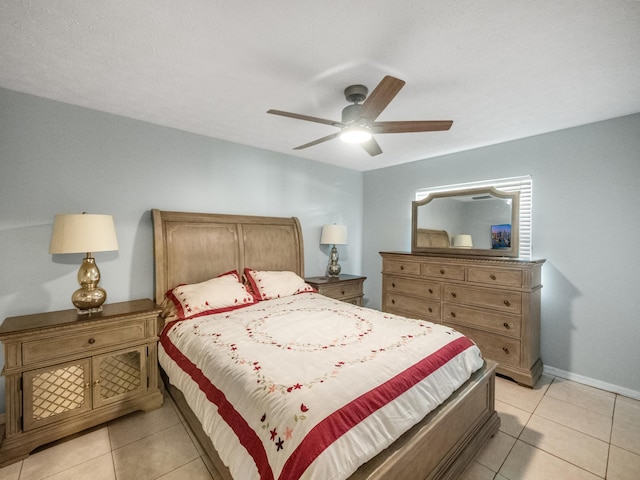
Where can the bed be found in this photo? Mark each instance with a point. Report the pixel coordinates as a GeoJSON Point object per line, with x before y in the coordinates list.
{"type": "Point", "coordinates": [190, 248]}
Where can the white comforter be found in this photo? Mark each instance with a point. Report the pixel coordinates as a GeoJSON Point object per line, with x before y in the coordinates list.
{"type": "Point", "coordinates": [310, 387]}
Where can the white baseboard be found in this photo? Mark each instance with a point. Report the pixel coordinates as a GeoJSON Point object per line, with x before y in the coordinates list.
{"type": "Point", "coordinates": [556, 372]}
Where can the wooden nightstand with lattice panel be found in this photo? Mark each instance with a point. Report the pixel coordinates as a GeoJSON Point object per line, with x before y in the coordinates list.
{"type": "Point", "coordinates": [66, 372]}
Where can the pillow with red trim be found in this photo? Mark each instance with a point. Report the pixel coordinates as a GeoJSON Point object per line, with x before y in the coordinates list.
{"type": "Point", "coordinates": [221, 294]}
{"type": "Point", "coordinates": [267, 285]}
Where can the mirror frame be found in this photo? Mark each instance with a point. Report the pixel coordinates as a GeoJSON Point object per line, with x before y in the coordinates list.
{"type": "Point", "coordinates": [515, 224]}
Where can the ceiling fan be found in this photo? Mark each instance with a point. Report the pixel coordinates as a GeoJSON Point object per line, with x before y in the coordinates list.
{"type": "Point", "coordinates": [359, 120]}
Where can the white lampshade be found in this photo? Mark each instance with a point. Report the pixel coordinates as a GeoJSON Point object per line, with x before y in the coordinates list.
{"type": "Point", "coordinates": [462, 241]}
{"type": "Point", "coordinates": [82, 233]}
{"type": "Point", "coordinates": [334, 235]}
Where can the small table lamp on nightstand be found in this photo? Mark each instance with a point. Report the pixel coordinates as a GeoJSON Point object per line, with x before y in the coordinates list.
{"type": "Point", "coordinates": [334, 235]}
{"type": "Point", "coordinates": [84, 233]}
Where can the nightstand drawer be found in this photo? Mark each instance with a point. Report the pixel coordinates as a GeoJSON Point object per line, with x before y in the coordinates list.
{"type": "Point", "coordinates": [53, 347]}
{"type": "Point", "coordinates": [341, 291]}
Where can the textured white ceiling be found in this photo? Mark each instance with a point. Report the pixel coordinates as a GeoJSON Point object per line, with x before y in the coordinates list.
{"type": "Point", "coordinates": [500, 69]}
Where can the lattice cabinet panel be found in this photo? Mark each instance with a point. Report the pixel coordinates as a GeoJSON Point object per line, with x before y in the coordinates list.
{"type": "Point", "coordinates": [117, 374]}
{"type": "Point", "coordinates": [53, 393]}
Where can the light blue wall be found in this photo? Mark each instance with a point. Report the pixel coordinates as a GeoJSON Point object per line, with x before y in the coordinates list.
{"type": "Point", "coordinates": [57, 158]}
{"type": "Point", "coordinates": [586, 222]}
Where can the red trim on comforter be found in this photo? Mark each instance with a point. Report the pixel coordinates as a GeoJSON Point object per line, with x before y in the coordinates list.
{"type": "Point", "coordinates": [342, 420]}
{"type": "Point", "coordinates": [246, 435]}
{"type": "Point", "coordinates": [329, 429]}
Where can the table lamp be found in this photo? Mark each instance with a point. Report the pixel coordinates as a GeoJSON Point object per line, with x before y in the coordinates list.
{"type": "Point", "coordinates": [85, 233]}
{"type": "Point", "coordinates": [333, 235]}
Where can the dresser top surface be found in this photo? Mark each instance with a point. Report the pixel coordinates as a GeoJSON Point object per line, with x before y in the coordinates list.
{"type": "Point", "coordinates": [470, 258]}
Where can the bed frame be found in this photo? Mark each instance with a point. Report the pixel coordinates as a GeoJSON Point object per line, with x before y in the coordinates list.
{"type": "Point", "coordinates": [193, 247]}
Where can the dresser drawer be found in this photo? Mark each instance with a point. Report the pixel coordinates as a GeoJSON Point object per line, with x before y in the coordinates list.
{"type": "Point", "coordinates": [398, 266]}
{"type": "Point", "coordinates": [495, 276]}
{"type": "Point", "coordinates": [505, 350]}
{"type": "Point", "coordinates": [342, 290]}
{"type": "Point", "coordinates": [90, 340]}
{"type": "Point", "coordinates": [504, 324]}
{"type": "Point", "coordinates": [447, 272]}
{"type": "Point", "coordinates": [497, 299]}
{"type": "Point", "coordinates": [412, 306]}
{"type": "Point", "coordinates": [413, 287]}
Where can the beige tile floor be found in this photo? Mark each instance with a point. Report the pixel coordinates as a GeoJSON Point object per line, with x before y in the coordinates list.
{"type": "Point", "coordinates": [558, 430]}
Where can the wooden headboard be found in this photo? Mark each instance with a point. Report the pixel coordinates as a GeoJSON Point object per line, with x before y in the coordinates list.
{"type": "Point", "coordinates": [194, 247]}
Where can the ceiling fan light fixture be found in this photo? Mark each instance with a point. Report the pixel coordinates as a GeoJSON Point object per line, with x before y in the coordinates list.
{"type": "Point", "coordinates": [355, 134]}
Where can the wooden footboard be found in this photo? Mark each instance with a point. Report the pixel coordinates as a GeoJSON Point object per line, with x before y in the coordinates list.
{"type": "Point", "coordinates": [439, 447]}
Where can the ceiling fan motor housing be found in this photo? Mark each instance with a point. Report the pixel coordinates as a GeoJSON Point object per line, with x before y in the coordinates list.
{"type": "Point", "coordinates": [352, 114]}
{"type": "Point", "coordinates": [356, 93]}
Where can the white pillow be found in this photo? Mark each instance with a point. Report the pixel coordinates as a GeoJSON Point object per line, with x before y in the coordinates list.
{"type": "Point", "coordinates": [267, 285]}
{"type": "Point", "coordinates": [220, 294]}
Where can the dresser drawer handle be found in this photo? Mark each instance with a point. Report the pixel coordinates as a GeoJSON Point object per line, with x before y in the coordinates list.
{"type": "Point", "coordinates": [453, 294]}
{"type": "Point", "coordinates": [506, 325]}
{"type": "Point", "coordinates": [492, 276]}
{"type": "Point", "coordinates": [393, 301]}
{"type": "Point", "coordinates": [92, 341]}
{"type": "Point", "coordinates": [442, 271]}
{"type": "Point", "coordinates": [401, 267]}
{"type": "Point", "coordinates": [505, 350]}
{"type": "Point", "coordinates": [453, 314]}
{"type": "Point", "coordinates": [506, 302]}
{"type": "Point", "coordinates": [393, 285]}
{"type": "Point", "coordinates": [430, 310]}
{"type": "Point", "coordinates": [431, 290]}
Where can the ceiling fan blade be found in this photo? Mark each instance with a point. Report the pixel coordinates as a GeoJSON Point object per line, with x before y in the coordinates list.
{"type": "Point", "coordinates": [372, 147]}
{"type": "Point", "coordinates": [320, 140]}
{"type": "Point", "coordinates": [308, 118]}
{"type": "Point", "coordinates": [381, 96]}
{"type": "Point", "coordinates": [412, 126]}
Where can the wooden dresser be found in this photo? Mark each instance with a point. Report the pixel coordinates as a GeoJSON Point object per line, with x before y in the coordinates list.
{"type": "Point", "coordinates": [494, 301]}
{"type": "Point", "coordinates": [347, 288]}
{"type": "Point", "coordinates": [66, 372]}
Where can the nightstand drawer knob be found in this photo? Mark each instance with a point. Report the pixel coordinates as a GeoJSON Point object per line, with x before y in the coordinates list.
{"type": "Point", "coordinates": [431, 290]}
{"type": "Point", "coordinates": [401, 267]}
{"type": "Point", "coordinates": [506, 325]}
{"type": "Point", "coordinates": [92, 341]}
{"type": "Point", "coordinates": [505, 350]}
{"type": "Point", "coordinates": [393, 301]}
{"type": "Point", "coordinates": [492, 276]}
{"type": "Point", "coordinates": [442, 271]}
{"type": "Point", "coordinates": [507, 303]}
{"type": "Point", "coordinates": [453, 294]}
{"type": "Point", "coordinates": [453, 314]}
{"type": "Point", "coordinates": [393, 285]}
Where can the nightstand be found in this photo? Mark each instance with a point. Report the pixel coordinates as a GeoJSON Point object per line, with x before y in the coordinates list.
{"type": "Point", "coordinates": [347, 288]}
{"type": "Point", "coordinates": [66, 372]}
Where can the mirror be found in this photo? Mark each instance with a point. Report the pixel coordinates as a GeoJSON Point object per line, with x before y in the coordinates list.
{"type": "Point", "coordinates": [481, 221]}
